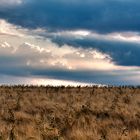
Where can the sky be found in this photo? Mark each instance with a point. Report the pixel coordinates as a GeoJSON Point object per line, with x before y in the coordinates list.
{"type": "Point", "coordinates": [70, 42]}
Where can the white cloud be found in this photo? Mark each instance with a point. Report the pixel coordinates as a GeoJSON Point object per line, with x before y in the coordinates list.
{"type": "Point", "coordinates": [10, 29]}
{"type": "Point", "coordinates": [35, 51]}
{"type": "Point", "coordinates": [10, 2]}
{"type": "Point", "coordinates": [132, 37]}
{"type": "Point", "coordinates": [73, 58]}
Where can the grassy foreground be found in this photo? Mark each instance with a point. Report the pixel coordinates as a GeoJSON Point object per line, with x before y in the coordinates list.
{"type": "Point", "coordinates": [69, 113]}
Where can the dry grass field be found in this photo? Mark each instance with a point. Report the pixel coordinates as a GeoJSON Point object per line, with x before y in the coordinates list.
{"type": "Point", "coordinates": [69, 113]}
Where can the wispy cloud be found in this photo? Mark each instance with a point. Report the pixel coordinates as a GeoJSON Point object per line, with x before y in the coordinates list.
{"type": "Point", "coordinates": [36, 51]}
{"type": "Point", "coordinates": [10, 2]}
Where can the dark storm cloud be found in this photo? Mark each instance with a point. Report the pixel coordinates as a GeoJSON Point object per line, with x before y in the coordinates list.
{"type": "Point", "coordinates": [122, 53]}
{"type": "Point", "coordinates": [102, 16]}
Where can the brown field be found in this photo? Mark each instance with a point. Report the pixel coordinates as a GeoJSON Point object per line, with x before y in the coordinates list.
{"type": "Point", "coordinates": [69, 113]}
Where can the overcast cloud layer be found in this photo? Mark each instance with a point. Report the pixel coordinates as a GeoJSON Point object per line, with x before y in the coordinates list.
{"type": "Point", "coordinates": [97, 15]}
{"type": "Point", "coordinates": [79, 41]}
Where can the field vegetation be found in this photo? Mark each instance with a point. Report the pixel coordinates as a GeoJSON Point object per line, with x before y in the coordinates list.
{"type": "Point", "coordinates": [69, 113]}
